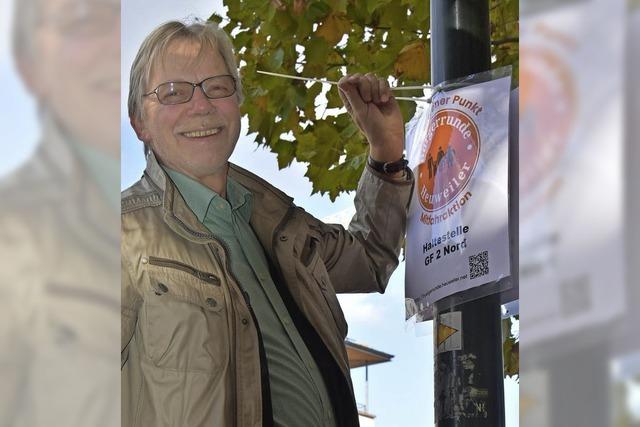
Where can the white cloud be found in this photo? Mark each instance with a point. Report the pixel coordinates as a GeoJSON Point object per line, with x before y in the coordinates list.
{"type": "Point", "coordinates": [361, 308]}
{"type": "Point", "coordinates": [342, 217]}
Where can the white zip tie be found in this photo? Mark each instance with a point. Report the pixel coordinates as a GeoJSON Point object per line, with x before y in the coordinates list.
{"type": "Point", "coordinates": [311, 79]}
{"type": "Point", "coordinates": [306, 79]}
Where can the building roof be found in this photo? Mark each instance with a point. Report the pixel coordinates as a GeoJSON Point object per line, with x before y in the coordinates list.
{"type": "Point", "coordinates": [361, 355]}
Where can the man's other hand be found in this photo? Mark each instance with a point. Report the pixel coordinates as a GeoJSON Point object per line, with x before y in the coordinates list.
{"type": "Point", "coordinates": [369, 101]}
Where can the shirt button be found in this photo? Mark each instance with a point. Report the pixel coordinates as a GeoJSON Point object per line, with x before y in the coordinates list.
{"type": "Point", "coordinates": [245, 322]}
{"type": "Point", "coordinates": [283, 238]}
{"type": "Point", "coordinates": [145, 260]}
{"type": "Point", "coordinates": [211, 302]}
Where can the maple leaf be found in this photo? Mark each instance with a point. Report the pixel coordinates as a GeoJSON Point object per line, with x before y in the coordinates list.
{"type": "Point", "coordinates": [334, 27]}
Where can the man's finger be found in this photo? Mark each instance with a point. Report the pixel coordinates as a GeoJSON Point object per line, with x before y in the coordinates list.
{"type": "Point", "coordinates": [345, 100]}
{"type": "Point", "coordinates": [385, 90]}
{"type": "Point", "coordinates": [349, 91]}
{"type": "Point", "coordinates": [343, 96]}
{"type": "Point", "coordinates": [364, 87]}
{"type": "Point", "coordinates": [375, 87]}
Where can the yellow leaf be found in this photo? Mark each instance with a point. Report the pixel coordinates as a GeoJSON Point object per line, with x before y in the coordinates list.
{"type": "Point", "coordinates": [412, 62]}
{"type": "Point", "coordinates": [334, 27]}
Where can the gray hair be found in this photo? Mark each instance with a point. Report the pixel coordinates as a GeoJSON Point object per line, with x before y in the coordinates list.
{"type": "Point", "coordinates": [207, 34]}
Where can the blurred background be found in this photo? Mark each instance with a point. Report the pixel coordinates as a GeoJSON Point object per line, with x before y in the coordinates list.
{"type": "Point", "coordinates": [66, 136]}
{"type": "Point", "coordinates": [580, 358]}
{"type": "Point", "coordinates": [59, 213]}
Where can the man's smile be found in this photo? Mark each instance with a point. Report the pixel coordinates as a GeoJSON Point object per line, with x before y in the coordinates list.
{"type": "Point", "coordinates": [201, 133]}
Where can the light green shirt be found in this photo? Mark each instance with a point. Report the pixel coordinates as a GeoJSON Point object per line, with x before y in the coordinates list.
{"type": "Point", "coordinates": [298, 393]}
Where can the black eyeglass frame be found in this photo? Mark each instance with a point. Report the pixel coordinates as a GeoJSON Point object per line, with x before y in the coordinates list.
{"type": "Point", "coordinates": [193, 89]}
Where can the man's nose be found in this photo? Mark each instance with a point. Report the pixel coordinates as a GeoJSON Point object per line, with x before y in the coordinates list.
{"type": "Point", "coordinates": [200, 103]}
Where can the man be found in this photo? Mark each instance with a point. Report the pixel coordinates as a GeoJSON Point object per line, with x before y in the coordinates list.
{"type": "Point", "coordinates": [230, 315]}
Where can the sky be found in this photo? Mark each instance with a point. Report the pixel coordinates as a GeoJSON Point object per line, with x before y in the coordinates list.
{"type": "Point", "coordinates": [400, 392]}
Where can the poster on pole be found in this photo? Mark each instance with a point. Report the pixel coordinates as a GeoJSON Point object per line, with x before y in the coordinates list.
{"type": "Point", "coordinates": [458, 227]}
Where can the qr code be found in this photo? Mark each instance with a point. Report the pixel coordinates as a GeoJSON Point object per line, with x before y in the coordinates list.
{"type": "Point", "coordinates": [479, 265]}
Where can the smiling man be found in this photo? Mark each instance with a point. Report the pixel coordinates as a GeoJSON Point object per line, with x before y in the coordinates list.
{"type": "Point", "coordinates": [229, 308]}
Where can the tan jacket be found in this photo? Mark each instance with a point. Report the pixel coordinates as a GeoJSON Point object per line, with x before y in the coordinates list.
{"type": "Point", "coordinates": [191, 351]}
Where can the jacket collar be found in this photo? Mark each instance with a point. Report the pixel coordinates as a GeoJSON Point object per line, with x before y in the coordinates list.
{"type": "Point", "coordinates": [270, 205]}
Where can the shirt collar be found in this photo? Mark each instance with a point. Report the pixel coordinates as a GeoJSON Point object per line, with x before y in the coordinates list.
{"type": "Point", "coordinates": [200, 197]}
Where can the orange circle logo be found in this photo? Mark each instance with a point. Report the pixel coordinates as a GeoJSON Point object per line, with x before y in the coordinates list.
{"type": "Point", "coordinates": [450, 153]}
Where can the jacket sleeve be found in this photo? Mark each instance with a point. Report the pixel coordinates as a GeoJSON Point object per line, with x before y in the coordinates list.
{"type": "Point", "coordinates": [362, 258]}
{"type": "Point", "coordinates": [130, 305]}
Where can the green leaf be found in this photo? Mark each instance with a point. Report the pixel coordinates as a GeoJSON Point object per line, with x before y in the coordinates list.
{"type": "Point", "coordinates": [350, 130]}
{"type": "Point", "coordinates": [215, 18]}
{"type": "Point", "coordinates": [306, 148]}
{"type": "Point", "coordinates": [333, 98]}
{"type": "Point", "coordinates": [316, 51]}
{"type": "Point", "coordinates": [316, 11]}
{"type": "Point", "coordinates": [284, 22]}
{"type": "Point", "coordinates": [421, 11]}
{"type": "Point", "coordinates": [372, 5]}
{"type": "Point", "coordinates": [393, 15]}
{"type": "Point", "coordinates": [309, 107]}
{"type": "Point", "coordinates": [338, 5]}
{"type": "Point", "coordinates": [286, 151]}
{"type": "Point", "coordinates": [275, 59]}
{"type": "Point", "coordinates": [510, 350]}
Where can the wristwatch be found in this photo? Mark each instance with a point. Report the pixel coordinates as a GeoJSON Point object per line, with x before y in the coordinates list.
{"type": "Point", "coordinates": [389, 167]}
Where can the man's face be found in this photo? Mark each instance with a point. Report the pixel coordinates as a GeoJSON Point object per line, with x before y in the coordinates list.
{"type": "Point", "coordinates": [195, 138]}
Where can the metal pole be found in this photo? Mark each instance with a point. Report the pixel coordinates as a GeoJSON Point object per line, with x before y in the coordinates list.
{"type": "Point", "coordinates": [469, 384]}
{"type": "Point", "coordinates": [366, 390]}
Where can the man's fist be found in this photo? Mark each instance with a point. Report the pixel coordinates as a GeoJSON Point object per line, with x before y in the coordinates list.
{"type": "Point", "coordinates": [369, 101]}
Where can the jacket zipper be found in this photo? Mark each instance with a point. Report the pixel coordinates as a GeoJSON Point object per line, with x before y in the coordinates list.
{"type": "Point", "coordinates": [206, 277]}
{"type": "Point", "coordinates": [267, 413]}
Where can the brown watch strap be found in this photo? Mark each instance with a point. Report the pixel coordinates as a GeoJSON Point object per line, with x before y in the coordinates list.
{"type": "Point", "coordinates": [388, 167]}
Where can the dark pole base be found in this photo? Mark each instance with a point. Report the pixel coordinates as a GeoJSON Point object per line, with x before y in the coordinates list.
{"type": "Point", "coordinates": [469, 383]}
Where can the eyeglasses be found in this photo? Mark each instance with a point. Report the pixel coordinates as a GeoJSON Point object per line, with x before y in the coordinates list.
{"type": "Point", "coordinates": [171, 93]}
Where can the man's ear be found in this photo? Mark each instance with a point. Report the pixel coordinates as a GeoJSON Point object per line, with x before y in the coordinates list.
{"type": "Point", "coordinates": [140, 128]}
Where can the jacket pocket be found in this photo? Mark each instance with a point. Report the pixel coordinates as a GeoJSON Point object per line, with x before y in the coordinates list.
{"type": "Point", "coordinates": [185, 323]}
{"type": "Point", "coordinates": [177, 265]}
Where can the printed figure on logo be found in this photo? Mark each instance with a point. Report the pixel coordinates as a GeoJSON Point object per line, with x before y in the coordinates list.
{"type": "Point", "coordinates": [450, 154]}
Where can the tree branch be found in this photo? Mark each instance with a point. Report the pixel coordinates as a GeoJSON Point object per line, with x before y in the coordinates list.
{"type": "Point", "coordinates": [505, 41]}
